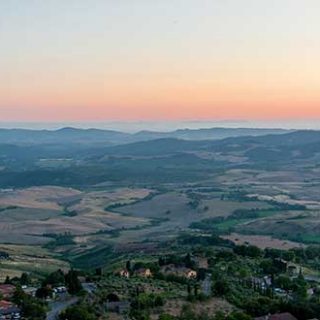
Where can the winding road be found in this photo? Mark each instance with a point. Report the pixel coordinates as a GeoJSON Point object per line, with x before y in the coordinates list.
{"type": "Point", "coordinates": [58, 306]}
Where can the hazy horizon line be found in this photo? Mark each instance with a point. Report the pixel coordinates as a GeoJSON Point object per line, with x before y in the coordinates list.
{"type": "Point", "coordinates": [161, 125]}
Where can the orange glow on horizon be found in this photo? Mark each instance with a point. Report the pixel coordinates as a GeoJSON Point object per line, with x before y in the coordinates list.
{"type": "Point", "coordinates": [163, 100]}
{"type": "Point", "coordinates": [149, 60]}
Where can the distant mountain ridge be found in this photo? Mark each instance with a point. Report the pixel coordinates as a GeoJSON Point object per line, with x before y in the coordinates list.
{"type": "Point", "coordinates": [149, 161]}
{"type": "Point", "coordinates": [210, 134]}
{"type": "Point", "coordinates": [110, 137]}
{"type": "Point", "coordinates": [303, 143]}
{"type": "Point", "coordinates": [60, 136]}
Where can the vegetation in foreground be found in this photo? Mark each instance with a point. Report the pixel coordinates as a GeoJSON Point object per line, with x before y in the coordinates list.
{"type": "Point", "coordinates": [195, 274]}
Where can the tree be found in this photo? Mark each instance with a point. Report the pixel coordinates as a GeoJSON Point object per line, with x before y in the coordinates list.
{"type": "Point", "coordinates": [158, 301]}
{"type": "Point", "coordinates": [44, 292]}
{"type": "Point", "coordinates": [165, 316]}
{"type": "Point", "coordinates": [188, 261]}
{"type": "Point", "coordinates": [139, 314]}
{"type": "Point", "coordinates": [128, 266]}
{"type": "Point", "coordinates": [221, 287]}
{"type": "Point", "coordinates": [268, 266]}
{"type": "Point", "coordinates": [187, 313]}
{"type": "Point", "coordinates": [18, 295]}
{"type": "Point", "coordinates": [112, 297]}
{"type": "Point", "coordinates": [284, 282]}
{"type": "Point", "coordinates": [25, 279]}
{"type": "Point", "coordinates": [259, 306]}
{"type": "Point", "coordinates": [248, 251]}
{"type": "Point", "coordinates": [189, 289]}
{"type": "Point", "coordinates": [196, 289]}
{"type": "Point", "coordinates": [238, 316]}
{"type": "Point", "coordinates": [72, 282]}
{"type": "Point", "coordinates": [31, 308]}
{"type": "Point", "coordinates": [99, 271]}
{"type": "Point", "coordinates": [78, 312]}
{"type": "Point", "coordinates": [55, 279]}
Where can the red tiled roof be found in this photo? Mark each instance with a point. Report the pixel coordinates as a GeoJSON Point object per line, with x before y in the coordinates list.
{"type": "Point", "coordinates": [5, 304]}
{"type": "Point", "coordinates": [7, 289]}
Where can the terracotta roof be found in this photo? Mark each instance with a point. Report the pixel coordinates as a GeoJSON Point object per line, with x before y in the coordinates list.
{"type": "Point", "coordinates": [5, 304]}
{"type": "Point", "coordinates": [7, 289]}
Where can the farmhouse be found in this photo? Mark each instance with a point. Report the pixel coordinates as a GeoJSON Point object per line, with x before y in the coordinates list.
{"type": "Point", "coordinates": [31, 291]}
{"type": "Point", "coordinates": [179, 271]}
{"type": "Point", "coordinates": [281, 264]}
{"type": "Point", "coordinates": [292, 269]}
{"type": "Point", "coordinates": [191, 274]}
{"type": "Point", "coordinates": [144, 272]}
{"type": "Point", "coordinates": [124, 273]}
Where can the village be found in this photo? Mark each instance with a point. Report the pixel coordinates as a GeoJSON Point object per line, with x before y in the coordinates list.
{"type": "Point", "coordinates": [243, 281]}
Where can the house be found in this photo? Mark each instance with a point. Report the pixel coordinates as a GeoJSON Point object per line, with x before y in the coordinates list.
{"type": "Point", "coordinates": [179, 271]}
{"type": "Point", "coordinates": [281, 264]}
{"type": "Point", "coordinates": [9, 311]}
{"type": "Point", "coordinates": [31, 291]}
{"type": "Point", "coordinates": [278, 316]}
{"type": "Point", "coordinates": [124, 273]}
{"type": "Point", "coordinates": [144, 272]}
{"type": "Point", "coordinates": [7, 290]}
{"type": "Point", "coordinates": [191, 274]}
{"type": "Point", "coordinates": [292, 269]}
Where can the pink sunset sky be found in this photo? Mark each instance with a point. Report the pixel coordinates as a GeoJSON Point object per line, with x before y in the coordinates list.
{"type": "Point", "coordinates": [82, 60]}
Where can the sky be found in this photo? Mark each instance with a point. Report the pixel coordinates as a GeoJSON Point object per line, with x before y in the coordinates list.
{"type": "Point", "coordinates": [159, 60]}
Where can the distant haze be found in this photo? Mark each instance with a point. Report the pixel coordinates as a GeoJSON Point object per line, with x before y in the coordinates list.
{"type": "Point", "coordinates": [135, 126]}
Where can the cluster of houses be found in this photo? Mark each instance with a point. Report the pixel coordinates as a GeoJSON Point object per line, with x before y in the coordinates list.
{"type": "Point", "coordinates": [293, 271]}
{"type": "Point", "coordinates": [142, 272]}
{"type": "Point", "coordinates": [8, 311]}
{"type": "Point", "coordinates": [166, 270]}
{"type": "Point", "coordinates": [171, 269]}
